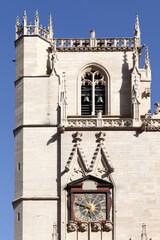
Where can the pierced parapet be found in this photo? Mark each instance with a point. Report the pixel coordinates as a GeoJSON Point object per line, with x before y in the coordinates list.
{"type": "Point", "coordinates": [33, 29]}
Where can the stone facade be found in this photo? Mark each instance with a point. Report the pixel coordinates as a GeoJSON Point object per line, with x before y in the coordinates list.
{"type": "Point", "coordinates": [57, 146]}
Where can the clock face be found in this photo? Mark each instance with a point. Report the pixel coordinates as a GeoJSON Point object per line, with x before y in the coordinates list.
{"type": "Point", "coordinates": [89, 207]}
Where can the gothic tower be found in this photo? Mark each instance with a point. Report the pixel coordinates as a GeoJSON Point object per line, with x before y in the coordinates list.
{"type": "Point", "coordinates": [86, 145]}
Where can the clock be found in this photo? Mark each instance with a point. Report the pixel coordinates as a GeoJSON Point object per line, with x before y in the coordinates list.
{"type": "Point", "coordinates": [89, 200]}
{"type": "Point", "coordinates": [89, 207]}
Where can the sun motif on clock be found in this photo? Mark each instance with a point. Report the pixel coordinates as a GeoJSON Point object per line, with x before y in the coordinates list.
{"type": "Point", "coordinates": [89, 207]}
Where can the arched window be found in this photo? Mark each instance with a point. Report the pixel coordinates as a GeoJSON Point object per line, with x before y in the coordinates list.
{"type": "Point", "coordinates": [93, 88]}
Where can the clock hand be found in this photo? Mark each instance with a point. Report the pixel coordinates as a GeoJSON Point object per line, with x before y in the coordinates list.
{"type": "Point", "coordinates": [83, 205]}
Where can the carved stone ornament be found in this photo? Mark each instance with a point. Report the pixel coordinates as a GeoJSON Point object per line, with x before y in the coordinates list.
{"type": "Point", "coordinates": [107, 226]}
{"type": "Point", "coordinates": [77, 137]}
{"type": "Point", "coordinates": [54, 234]}
{"type": "Point", "coordinates": [95, 227]}
{"type": "Point", "coordinates": [82, 227]}
{"type": "Point", "coordinates": [100, 136]}
{"type": "Point", "coordinates": [136, 92]}
{"type": "Point", "coordinates": [72, 226]}
{"type": "Point", "coordinates": [157, 104]}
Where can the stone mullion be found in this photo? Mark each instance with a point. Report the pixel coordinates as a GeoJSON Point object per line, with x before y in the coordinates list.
{"type": "Point", "coordinates": [93, 94]}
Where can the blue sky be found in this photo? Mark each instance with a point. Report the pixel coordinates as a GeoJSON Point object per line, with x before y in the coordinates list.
{"type": "Point", "coordinates": [70, 19]}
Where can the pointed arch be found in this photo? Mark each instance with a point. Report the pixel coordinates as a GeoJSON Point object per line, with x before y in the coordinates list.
{"type": "Point", "coordinates": [93, 90]}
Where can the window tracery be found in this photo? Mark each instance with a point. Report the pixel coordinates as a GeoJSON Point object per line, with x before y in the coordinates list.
{"type": "Point", "coordinates": [93, 86]}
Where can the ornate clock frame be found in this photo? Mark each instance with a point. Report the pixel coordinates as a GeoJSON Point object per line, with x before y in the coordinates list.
{"type": "Point", "coordinates": [92, 188]}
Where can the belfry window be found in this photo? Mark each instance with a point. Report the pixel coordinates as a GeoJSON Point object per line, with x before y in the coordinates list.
{"type": "Point", "coordinates": [92, 93]}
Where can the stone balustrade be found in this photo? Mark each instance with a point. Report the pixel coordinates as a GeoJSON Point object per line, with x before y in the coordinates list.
{"type": "Point", "coordinates": [151, 124]}
{"type": "Point", "coordinates": [94, 44]}
{"type": "Point", "coordinates": [97, 122]}
{"type": "Point", "coordinates": [144, 124]}
{"type": "Point", "coordinates": [79, 43]}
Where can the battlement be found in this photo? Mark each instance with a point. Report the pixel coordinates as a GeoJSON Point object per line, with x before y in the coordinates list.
{"type": "Point", "coordinates": [78, 44]}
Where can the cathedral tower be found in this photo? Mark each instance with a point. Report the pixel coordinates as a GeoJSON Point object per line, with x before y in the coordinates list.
{"type": "Point", "coordinates": [86, 145]}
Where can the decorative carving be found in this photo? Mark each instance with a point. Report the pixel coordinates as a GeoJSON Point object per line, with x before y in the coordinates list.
{"type": "Point", "coordinates": [54, 234]}
{"type": "Point", "coordinates": [82, 226]}
{"type": "Point", "coordinates": [157, 104]}
{"type": "Point", "coordinates": [147, 61]}
{"type": "Point", "coordinates": [33, 29]}
{"type": "Point", "coordinates": [61, 129]}
{"type": "Point", "coordinates": [100, 136]}
{"type": "Point", "coordinates": [77, 162]}
{"type": "Point", "coordinates": [52, 57]}
{"type": "Point", "coordinates": [137, 32]}
{"type": "Point", "coordinates": [146, 93]}
{"type": "Point", "coordinates": [50, 27]}
{"type": "Point", "coordinates": [144, 232]}
{"type": "Point", "coordinates": [78, 123]}
{"type": "Point", "coordinates": [150, 124]}
{"type": "Point", "coordinates": [101, 154]}
{"type": "Point", "coordinates": [136, 92]}
{"type": "Point", "coordinates": [72, 226]}
{"type": "Point", "coordinates": [107, 226]}
{"type": "Point", "coordinates": [77, 137]}
{"type": "Point", "coordinates": [95, 227]}
{"type": "Point", "coordinates": [100, 44]}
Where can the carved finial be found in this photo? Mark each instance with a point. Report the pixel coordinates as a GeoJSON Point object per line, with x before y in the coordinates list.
{"type": "Point", "coordinates": [36, 20]}
{"type": "Point", "coordinates": [144, 233]}
{"type": "Point", "coordinates": [77, 137]}
{"type": "Point", "coordinates": [147, 61]}
{"type": "Point", "coordinates": [17, 22]}
{"type": "Point", "coordinates": [50, 27]}
{"type": "Point", "coordinates": [25, 18]}
{"type": "Point", "coordinates": [100, 136]}
{"type": "Point", "coordinates": [17, 27]}
{"type": "Point", "coordinates": [24, 23]}
{"type": "Point", "coordinates": [137, 32]}
{"type": "Point", "coordinates": [147, 65]}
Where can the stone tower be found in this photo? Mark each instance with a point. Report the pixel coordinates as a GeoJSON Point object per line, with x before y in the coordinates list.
{"type": "Point", "coordinates": [87, 155]}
